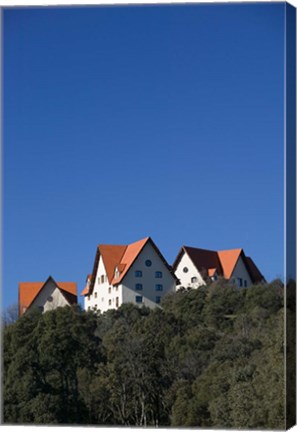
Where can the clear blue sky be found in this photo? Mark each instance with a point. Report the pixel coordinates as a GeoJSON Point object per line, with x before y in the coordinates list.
{"type": "Point", "coordinates": [124, 122]}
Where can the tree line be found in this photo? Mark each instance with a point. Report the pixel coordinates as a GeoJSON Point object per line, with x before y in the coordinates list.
{"type": "Point", "coordinates": [210, 357]}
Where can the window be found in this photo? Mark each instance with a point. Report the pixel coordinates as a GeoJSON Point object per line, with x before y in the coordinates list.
{"type": "Point", "coordinates": [95, 295]}
{"type": "Point", "coordinates": [239, 282]}
{"type": "Point", "coordinates": [245, 283]}
{"type": "Point", "coordinates": [102, 279]}
{"type": "Point", "coordinates": [159, 287]}
{"type": "Point", "coordinates": [138, 299]}
{"type": "Point", "coordinates": [50, 299]}
{"type": "Point", "coordinates": [194, 279]}
{"type": "Point", "coordinates": [185, 269]}
{"type": "Point", "coordinates": [99, 280]}
{"type": "Point", "coordinates": [158, 299]}
{"type": "Point", "coordinates": [40, 308]}
{"type": "Point", "coordinates": [117, 302]}
{"type": "Point", "coordinates": [89, 308]}
{"type": "Point", "coordinates": [109, 302]}
{"type": "Point", "coordinates": [138, 287]}
{"type": "Point", "coordinates": [95, 307]}
{"type": "Point", "coordinates": [158, 274]}
{"type": "Point", "coordinates": [117, 288]}
{"type": "Point", "coordinates": [138, 273]}
{"type": "Point", "coordinates": [148, 263]}
{"type": "Point", "coordinates": [109, 290]}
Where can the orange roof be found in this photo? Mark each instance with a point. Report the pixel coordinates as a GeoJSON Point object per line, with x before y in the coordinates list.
{"type": "Point", "coordinates": [28, 291]}
{"type": "Point", "coordinates": [211, 271]}
{"type": "Point", "coordinates": [228, 260]}
{"type": "Point", "coordinates": [111, 256]}
{"type": "Point", "coordinates": [121, 257]}
{"type": "Point", "coordinates": [222, 262]}
{"type": "Point", "coordinates": [85, 291]}
{"type": "Point", "coordinates": [130, 255]}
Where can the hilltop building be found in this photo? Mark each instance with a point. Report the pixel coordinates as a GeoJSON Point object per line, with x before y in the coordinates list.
{"type": "Point", "coordinates": [46, 295]}
{"type": "Point", "coordinates": [195, 267]}
{"type": "Point", "coordinates": [134, 273]}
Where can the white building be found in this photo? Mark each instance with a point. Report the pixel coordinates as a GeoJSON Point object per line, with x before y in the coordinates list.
{"type": "Point", "coordinates": [195, 267]}
{"type": "Point", "coordinates": [135, 273]}
{"type": "Point", "coordinates": [46, 295]}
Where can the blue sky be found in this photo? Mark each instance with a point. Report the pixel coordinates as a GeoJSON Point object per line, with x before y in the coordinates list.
{"type": "Point", "coordinates": [124, 122]}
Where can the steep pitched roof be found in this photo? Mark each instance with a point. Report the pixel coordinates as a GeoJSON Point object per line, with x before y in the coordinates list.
{"type": "Point", "coordinates": [130, 254]}
{"type": "Point", "coordinates": [28, 291]}
{"type": "Point", "coordinates": [121, 257]}
{"type": "Point", "coordinates": [223, 262]}
{"type": "Point", "coordinates": [203, 259]}
{"type": "Point", "coordinates": [254, 271]}
{"type": "Point", "coordinates": [228, 259]}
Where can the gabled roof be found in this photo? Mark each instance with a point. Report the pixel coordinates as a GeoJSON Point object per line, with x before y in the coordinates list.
{"type": "Point", "coordinates": [120, 257]}
{"type": "Point", "coordinates": [223, 262]}
{"type": "Point", "coordinates": [254, 271]}
{"type": "Point", "coordinates": [203, 259]}
{"type": "Point", "coordinates": [28, 291]}
{"type": "Point", "coordinates": [228, 260]}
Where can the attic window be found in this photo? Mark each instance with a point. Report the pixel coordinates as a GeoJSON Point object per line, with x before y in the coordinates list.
{"type": "Point", "coordinates": [194, 279]}
{"type": "Point", "coordinates": [50, 299]}
{"type": "Point", "coordinates": [148, 263]}
{"type": "Point", "coordinates": [185, 269]}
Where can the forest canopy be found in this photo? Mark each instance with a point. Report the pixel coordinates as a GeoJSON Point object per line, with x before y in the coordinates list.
{"type": "Point", "coordinates": [210, 357]}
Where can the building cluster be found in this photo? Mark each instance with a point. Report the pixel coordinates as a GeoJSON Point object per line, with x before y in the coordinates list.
{"type": "Point", "coordinates": [138, 273]}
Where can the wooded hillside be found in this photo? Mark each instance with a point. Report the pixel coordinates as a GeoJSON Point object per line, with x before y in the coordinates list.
{"type": "Point", "coordinates": [211, 357]}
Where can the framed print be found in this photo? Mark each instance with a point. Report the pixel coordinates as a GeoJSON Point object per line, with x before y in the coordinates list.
{"type": "Point", "coordinates": [149, 215]}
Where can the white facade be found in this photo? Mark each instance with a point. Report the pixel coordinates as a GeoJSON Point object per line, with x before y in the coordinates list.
{"type": "Point", "coordinates": [190, 277]}
{"type": "Point", "coordinates": [143, 284]}
{"type": "Point", "coordinates": [153, 288]}
{"type": "Point", "coordinates": [188, 274]}
{"type": "Point", "coordinates": [240, 275]}
{"type": "Point", "coordinates": [49, 298]}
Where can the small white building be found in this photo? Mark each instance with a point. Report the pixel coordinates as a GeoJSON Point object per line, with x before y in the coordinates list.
{"type": "Point", "coordinates": [195, 267]}
{"type": "Point", "coordinates": [136, 273]}
{"type": "Point", "coordinates": [46, 295]}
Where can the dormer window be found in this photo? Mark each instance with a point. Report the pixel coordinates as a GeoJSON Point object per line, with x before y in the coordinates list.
{"type": "Point", "coordinates": [116, 273]}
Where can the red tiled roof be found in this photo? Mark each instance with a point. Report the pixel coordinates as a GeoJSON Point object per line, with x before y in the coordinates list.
{"type": "Point", "coordinates": [228, 259]}
{"type": "Point", "coordinates": [223, 262]}
{"type": "Point", "coordinates": [111, 255]}
{"type": "Point", "coordinates": [85, 291]}
{"type": "Point", "coordinates": [130, 254]}
{"type": "Point", "coordinates": [28, 291]}
{"type": "Point", "coordinates": [211, 271]}
{"type": "Point", "coordinates": [121, 257]}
